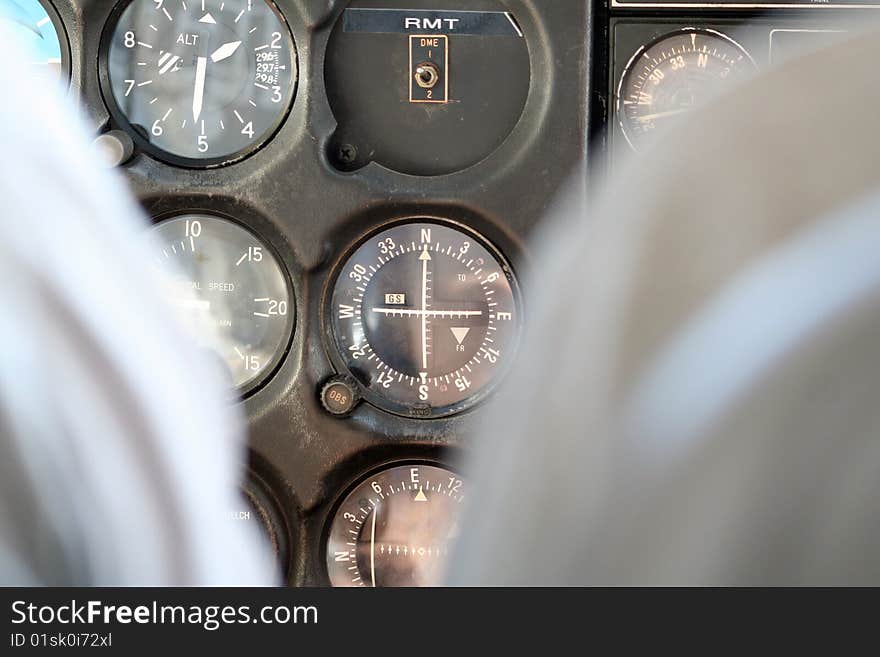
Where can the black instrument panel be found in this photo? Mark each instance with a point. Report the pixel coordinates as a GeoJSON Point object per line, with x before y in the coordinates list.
{"type": "Point", "coordinates": [366, 175]}
{"type": "Point", "coordinates": [468, 117]}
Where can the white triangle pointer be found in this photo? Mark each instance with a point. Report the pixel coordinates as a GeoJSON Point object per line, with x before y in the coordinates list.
{"type": "Point", "coordinates": [460, 332]}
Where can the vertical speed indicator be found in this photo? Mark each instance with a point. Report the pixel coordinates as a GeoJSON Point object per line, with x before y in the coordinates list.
{"type": "Point", "coordinates": [426, 317]}
{"type": "Point", "coordinates": [231, 294]}
{"type": "Point", "coordinates": [199, 82]}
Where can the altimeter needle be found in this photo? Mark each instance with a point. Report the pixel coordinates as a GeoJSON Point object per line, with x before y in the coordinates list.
{"type": "Point", "coordinates": [225, 51]}
{"type": "Point", "coordinates": [199, 93]}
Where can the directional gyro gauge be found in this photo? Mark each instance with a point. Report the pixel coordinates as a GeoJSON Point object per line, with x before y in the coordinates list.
{"type": "Point", "coordinates": [424, 87]}
{"type": "Point", "coordinates": [425, 317]}
{"type": "Point", "coordinates": [41, 35]}
{"type": "Point", "coordinates": [199, 83]}
{"type": "Point", "coordinates": [231, 293]}
{"type": "Point", "coordinates": [396, 528]}
{"type": "Point", "coordinates": [672, 75]}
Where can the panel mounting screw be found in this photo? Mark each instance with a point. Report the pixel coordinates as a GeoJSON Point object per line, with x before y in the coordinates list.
{"type": "Point", "coordinates": [347, 153]}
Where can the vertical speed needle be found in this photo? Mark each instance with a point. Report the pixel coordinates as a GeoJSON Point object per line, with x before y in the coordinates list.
{"type": "Point", "coordinates": [373, 547]}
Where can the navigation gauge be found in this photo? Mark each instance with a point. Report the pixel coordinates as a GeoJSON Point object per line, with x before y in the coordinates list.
{"type": "Point", "coordinates": [425, 87]}
{"type": "Point", "coordinates": [258, 511]}
{"type": "Point", "coordinates": [232, 292]}
{"type": "Point", "coordinates": [425, 317]}
{"type": "Point", "coordinates": [674, 74]}
{"type": "Point", "coordinates": [199, 83]}
{"type": "Point", "coordinates": [42, 35]}
{"type": "Point", "coordinates": [396, 528]}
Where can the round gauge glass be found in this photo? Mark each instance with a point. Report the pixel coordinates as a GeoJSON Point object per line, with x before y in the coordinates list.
{"type": "Point", "coordinates": [42, 34]}
{"type": "Point", "coordinates": [425, 316]}
{"type": "Point", "coordinates": [258, 512]}
{"type": "Point", "coordinates": [396, 528]}
{"type": "Point", "coordinates": [231, 292]}
{"type": "Point", "coordinates": [672, 75]}
{"type": "Point", "coordinates": [199, 82]}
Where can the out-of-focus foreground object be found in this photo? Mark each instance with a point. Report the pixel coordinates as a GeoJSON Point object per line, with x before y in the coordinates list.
{"type": "Point", "coordinates": [106, 410]}
{"type": "Point", "coordinates": [43, 49]}
{"type": "Point", "coordinates": [697, 403]}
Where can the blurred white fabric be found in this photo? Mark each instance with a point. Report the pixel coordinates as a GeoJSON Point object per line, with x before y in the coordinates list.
{"type": "Point", "coordinates": [119, 455]}
{"type": "Point", "coordinates": [696, 402]}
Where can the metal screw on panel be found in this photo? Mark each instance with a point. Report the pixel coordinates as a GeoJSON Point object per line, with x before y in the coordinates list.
{"type": "Point", "coordinates": [115, 148]}
{"type": "Point", "coordinates": [347, 154]}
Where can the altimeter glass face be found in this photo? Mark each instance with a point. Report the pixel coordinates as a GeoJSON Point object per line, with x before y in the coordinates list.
{"type": "Point", "coordinates": [200, 82]}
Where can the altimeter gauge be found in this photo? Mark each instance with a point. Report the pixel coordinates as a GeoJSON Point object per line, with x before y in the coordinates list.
{"type": "Point", "coordinates": [426, 317]}
{"type": "Point", "coordinates": [199, 82]}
